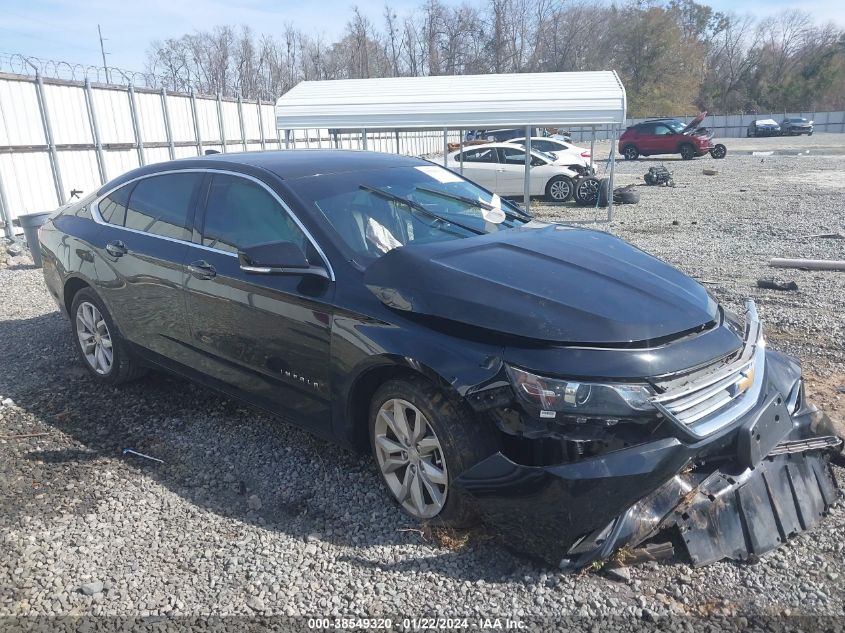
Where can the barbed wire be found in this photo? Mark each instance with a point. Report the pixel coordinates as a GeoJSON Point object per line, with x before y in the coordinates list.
{"type": "Point", "coordinates": [19, 64]}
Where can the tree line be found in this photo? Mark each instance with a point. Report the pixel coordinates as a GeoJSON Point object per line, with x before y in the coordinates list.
{"type": "Point", "coordinates": [674, 57]}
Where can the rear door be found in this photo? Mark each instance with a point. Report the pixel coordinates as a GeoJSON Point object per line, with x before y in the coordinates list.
{"type": "Point", "coordinates": [267, 336]}
{"type": "Point", "coordinates": [142, 248]}
{"type": "Point", "coordinates": [480, 166]}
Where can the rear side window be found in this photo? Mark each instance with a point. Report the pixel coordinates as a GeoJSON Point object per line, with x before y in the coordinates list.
{"type": "Point", "coordinates": [512, 155]}
{"type": "Point", "coordinates": [480, 155]}
{"type": "Point", "coordinates": [113, 206]}
{"type": "Point", "coordinates": [161, 205]}
{"type": "Point", "coordinates": [241, 213]}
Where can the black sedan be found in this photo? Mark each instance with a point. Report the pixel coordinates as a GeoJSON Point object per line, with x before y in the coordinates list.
{"type": "Point", "coordinates": [572, 391]}
{"type": "Point", "coordinates": [796, 126]}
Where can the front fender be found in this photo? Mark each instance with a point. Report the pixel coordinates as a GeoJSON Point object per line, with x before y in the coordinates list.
{"type": "Point", "coordinates": [361, 347]}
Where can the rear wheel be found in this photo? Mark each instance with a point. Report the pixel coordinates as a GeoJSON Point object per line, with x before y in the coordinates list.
{"type": "Point", "coordinates": [630, 152]}
{"type": "Point", "coordinates": [98, 342]}
{"type": "Point", "coordinates": [687, 151]}
{"type": "Point", "coordinates": [422, 441]}
{"type": "Point", "coordinates": [559, 189]}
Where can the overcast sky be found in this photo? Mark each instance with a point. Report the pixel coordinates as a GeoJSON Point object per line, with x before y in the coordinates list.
{"type": "Point", "coordinates": [67, 29]}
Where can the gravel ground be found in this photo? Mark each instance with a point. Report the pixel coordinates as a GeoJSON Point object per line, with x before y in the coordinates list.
{"type": "Point", "coordinates": [247, 516]}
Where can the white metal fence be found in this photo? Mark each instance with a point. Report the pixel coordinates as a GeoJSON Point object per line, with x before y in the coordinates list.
{"type": "Point", "coordinates": [58, 137]}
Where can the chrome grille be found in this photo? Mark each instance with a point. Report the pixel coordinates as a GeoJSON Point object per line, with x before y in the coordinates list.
{"type": "Point", "coordinates": [708, 396]}
{"type": "Point", "coordinates": [712, 398]}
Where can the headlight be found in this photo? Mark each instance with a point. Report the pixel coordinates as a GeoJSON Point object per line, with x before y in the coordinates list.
{"type": "Point", "coordinates": [581, 399]}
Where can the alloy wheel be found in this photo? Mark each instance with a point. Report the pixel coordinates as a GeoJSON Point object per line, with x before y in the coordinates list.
{"type": "Point", "coordinates": [94, 338]}
{"type": "Point", "coordinates": [410, 458]}
{"type": "Point", "coordinates": [560, 190]}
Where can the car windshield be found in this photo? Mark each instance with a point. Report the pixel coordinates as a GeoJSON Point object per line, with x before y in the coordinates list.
{"type": "Point", "coordinates": [378, 210]}
{"type": "Point", "coordinates": [797, 120]}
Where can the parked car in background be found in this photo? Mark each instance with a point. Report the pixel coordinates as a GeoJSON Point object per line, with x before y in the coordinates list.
{"type": "Point", "coordinates": [669, 136]}
{"type": "Point", "coordinates": [500, 135]}
{"type": "Point", "coordinates": [500, 167]}
{"type": "Point", "coordinates": [763, 127]}
{"type": "Point", "coordinates": [795, 126]}
{"type": "Point", "coordinates": [576, 158]}
{"type": "Point", "coordinates": [573, 391]}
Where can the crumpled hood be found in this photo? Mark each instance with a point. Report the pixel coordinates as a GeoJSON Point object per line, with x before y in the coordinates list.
{"type": "Point", "coordinates": [545, 282]}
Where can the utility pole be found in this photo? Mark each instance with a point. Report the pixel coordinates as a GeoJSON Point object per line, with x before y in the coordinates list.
{"type": "Point", "coordinates": [103, 53]}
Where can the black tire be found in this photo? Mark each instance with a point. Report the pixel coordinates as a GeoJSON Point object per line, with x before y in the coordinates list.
{"type": "Point", "coordinates": [809, 133]}
{"type": "Point", "coordinates": [587, 191]}
{"type": "Point", "coordinates": [719, 151]}
{"type": "Point", "coordinates": [123, 367]}
{"type": "Point", "coordinates": [464, 441]}
{"type": "Point", "coordinates": [559, 189]}
{"type": "Point", "coordinates": [687, 151]}
{"type": "Point", "coordinates": [626, 195]}
{"type": "Point", "coordinates": [630, 152]}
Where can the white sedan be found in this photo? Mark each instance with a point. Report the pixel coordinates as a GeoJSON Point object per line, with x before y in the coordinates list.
{"type": "Point", "coordinates": [500, 167]}
{"type": "Point", "coordinates": [555, 146]}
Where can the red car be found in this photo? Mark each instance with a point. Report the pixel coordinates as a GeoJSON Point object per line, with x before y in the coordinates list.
{"type": "Point", "coordinates": [669, 136]}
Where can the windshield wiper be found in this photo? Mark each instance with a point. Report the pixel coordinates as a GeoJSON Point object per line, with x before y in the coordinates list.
{"type": "Point", "coordinates": [475, 203]}
{"type": "Point", "coordinates": [416, 206]}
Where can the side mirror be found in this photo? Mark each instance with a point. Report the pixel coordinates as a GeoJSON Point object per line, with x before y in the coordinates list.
{"type": "Point", "coordinates": [278, 258]}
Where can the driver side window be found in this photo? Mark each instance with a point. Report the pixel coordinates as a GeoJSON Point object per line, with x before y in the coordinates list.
{"type": "Point", "coordinates": [241, 213]}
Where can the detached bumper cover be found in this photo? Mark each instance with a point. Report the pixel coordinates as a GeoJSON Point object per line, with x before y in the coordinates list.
{"type": "Point", "coordinates": [737, 493]}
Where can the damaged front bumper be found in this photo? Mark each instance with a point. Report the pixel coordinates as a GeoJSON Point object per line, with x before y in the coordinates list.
{"type": "Point", "coordinates": [735, 492]}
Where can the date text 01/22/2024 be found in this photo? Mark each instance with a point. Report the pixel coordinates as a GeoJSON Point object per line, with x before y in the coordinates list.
{"type": "Point", "coordinates": [416, 624]}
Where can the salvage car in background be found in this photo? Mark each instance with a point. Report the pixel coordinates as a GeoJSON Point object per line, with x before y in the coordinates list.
{"type": "Point", "coordinates": [579, 394]}
{"type": "Point", "coordinates": [500, 167]}
{"type": "Point", "coordinates": [763, 127]}
{"type": "Point", "coordinates": [669, 136]}
{"type": "Point", "coordinates": [795, 126]}
{"type": "Point", "coordinates": [574, 157]}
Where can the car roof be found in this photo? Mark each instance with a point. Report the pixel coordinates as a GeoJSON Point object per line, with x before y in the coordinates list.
{"type": "Point", "coordinates": [284, 164]}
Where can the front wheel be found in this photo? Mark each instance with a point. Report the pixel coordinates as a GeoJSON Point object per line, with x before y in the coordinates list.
{"type": "Point", "coordinates": [422, 441]}
{"type": "Point", "coordinates": [559, 189]}
{"type": "Point", "coordinates": [719, 151]}
{"type": "Point", "coordinates": [687, 151]}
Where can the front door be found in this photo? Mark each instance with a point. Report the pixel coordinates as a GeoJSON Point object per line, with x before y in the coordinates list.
{"type": "Point", "coordinates": [265, 335]}
{"type": "Point", "coordinates": [143, 243]}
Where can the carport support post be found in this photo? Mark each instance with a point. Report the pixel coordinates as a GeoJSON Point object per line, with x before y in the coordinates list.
{"type": "Point", "coordinates": [592, 146]}
{"type": "Point", "coordinates": [461, 151]}
{"type": "Point", "coordinates": [287, 139]}
{"type": "Point", "coordinates": [48, 136]}
{"type": "Point", "coordinates": [612, 171]}
{"type": "Point", "coordinates": [261, 125]}
{"type": "Point", "coordinates": [95, 132]}
{"type": "Point", "coordinates": [364, 140]}
{"type": "Point", "coordinates": [398, 150]}
{"type": "Point", "coordinates": [445, 145]}
{"type": "Point", "coordinates": [527, 193]}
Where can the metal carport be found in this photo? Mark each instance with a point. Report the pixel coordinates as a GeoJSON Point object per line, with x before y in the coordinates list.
{"type": "Point", "coordinates": [582, 99]}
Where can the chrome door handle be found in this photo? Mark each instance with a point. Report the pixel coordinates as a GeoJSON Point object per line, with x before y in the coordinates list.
{"type": "Point", "coordinates": [201, 269]}
{"type": "Point", "coordinates": [116, 248]}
